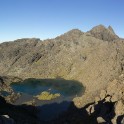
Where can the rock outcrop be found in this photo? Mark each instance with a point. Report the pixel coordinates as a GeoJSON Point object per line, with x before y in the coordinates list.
{"type": "Point", "coordinates": [109, 105]}
{"type": "Point", "coordinates": [5, 88]}
{"type": "Point", "coordinates": [106, 34]}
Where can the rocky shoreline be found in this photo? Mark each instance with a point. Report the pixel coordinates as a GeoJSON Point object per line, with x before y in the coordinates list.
{"type": "Point", "coordinates": [5, 88]}
{"type": "Point", "coordinates": [108, 108]}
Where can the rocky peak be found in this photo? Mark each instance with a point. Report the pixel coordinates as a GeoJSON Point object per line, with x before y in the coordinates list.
{"type": "Point", "coordinates": [71, 35]}
{"type": "Point", "coordinates": [74, 31]}
{"type": "Point", "coordinates": [103, 33]}
{"type": "Point", "coordinates": [99, 27]}
{"type": "Point", "coordinates": [111, 29]}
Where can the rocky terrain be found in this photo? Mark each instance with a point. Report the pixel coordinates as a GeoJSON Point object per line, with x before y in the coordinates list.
{"type": "Point", "coordinates": [107, 108]}
{"type": "Point", "coordinates": [5, 88]}
{"type": "Point", "coordinates": [94, 58]}
{"type": "Point", "coordinates": [109, 104]}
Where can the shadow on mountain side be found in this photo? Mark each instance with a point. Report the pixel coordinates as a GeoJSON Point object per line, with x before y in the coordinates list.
{"type": "Point", "coordinates": [105, 110]}
{"type": "Point", "coordinates": [76, 115]}
{"type": "Point", "coordinates": [51, 81]}
{"type": "Point", "coordinates": [73, 115]}
{"type": "Point", "coordinates": [52, 111]}
{"type": "Point", "coordinates": [24, 114]}
{"type": "Point", "coordinates": [21, 114]}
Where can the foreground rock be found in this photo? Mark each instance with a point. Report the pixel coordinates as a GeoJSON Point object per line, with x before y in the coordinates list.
{"type": "Point", "coordinates": [104, 110]}
{"type": "Point", "coordinates": [5, 119]}
{"type": "Point", "coordinates": [110, 103]}
{"type": "Point", "coordinates": [22, 114]}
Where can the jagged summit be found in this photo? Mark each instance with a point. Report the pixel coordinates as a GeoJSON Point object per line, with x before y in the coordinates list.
{"type": "Point", "coordinates": [99, 32]}
{"type": "Point", "coordinates": [111, 29]}
{"type": "Point", "coordinates": [103, 33]}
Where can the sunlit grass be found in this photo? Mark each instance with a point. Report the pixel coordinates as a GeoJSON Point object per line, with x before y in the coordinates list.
{"type": "Point", "coordinates": [47, 96]}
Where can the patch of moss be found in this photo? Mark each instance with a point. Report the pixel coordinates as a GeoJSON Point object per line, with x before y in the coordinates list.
{"type": "Point", "coordinates": [47, 96]}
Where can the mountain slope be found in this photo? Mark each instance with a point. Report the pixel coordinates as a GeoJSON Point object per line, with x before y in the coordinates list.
{"type": "Point", "coordinates": [93, 58]}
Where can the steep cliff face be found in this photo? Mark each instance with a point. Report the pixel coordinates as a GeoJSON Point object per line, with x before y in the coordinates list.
{"type": "Point", "coordinates": [93, 58]}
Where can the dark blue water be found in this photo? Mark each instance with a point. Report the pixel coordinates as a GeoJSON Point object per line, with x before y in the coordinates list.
{"type": "Point", "coordinates": [36, 86]}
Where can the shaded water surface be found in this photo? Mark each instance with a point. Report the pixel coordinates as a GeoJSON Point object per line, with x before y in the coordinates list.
{"type": "Point", "coordinates": [36, 86]}
{"type": "Point", "coordinates": [32, 87]}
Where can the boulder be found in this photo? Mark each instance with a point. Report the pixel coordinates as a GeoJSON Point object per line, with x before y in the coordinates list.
{"type": "Point", "coordinates": [100, 120]}
{"type": "Point", "coordinates": [119, 108]}
{"type": "Point", "coordinates": [102, 94]}
{"type": "Point", "coordinates": [5, 119]}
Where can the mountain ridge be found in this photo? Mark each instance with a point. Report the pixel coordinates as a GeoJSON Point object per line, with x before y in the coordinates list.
{"type": "Point", "coordinates": [90, 58]}
{"type": "Point", "coordinates": [75, 30]}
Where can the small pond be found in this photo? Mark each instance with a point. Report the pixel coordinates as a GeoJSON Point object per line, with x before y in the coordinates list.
{"type": "Point", "coordinates": [68, 89]}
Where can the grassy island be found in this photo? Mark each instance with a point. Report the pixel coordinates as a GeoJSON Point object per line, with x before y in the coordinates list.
{"type": "Point", "coordinates": [47, 96]}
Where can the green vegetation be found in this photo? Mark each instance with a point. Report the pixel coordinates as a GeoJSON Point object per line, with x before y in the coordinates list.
{"type": "Point", "coordinates": [47, 96]}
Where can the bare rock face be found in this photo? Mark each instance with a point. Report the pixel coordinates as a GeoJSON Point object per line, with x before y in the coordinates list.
{"type": "Point", "coordinates": [119, 108]}
{"type": "Point", "coordinates": [71, 35]}
{"type": "Point", "coordinates": [103, 33]}
{"type": "Point", "coordinates": [102, 94]}
{"type": "Point", "coordinates": [111, 29]}
{"type": "Point", "coordinates": [5, 87]}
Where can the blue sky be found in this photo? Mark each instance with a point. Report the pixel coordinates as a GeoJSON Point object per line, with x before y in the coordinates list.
{"type": "Point", "coordinates": [50, 18]}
